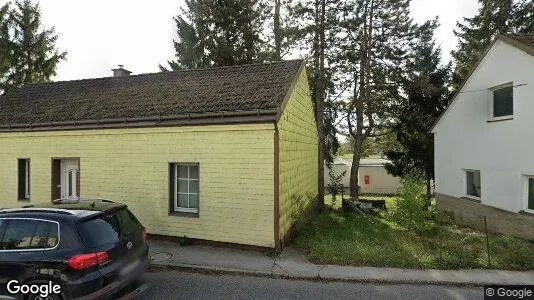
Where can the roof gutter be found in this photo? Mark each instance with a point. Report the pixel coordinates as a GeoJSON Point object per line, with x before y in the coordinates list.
{"type": "Point", "coordinates": [222, 117]}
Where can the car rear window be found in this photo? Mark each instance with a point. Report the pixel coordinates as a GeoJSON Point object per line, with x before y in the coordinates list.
{"type": "Point", "coordinates": [100, 231]}
{"type": "Point", "coordinates": [129, 222]}
{"type": "Point", "coordinates": [27, 234]}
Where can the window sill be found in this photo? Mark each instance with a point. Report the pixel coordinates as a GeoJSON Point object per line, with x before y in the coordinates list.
{"type": "Point", "coordinates": [476, 200]}
{"type": "Point", "coordinates": [184, 214]}
{"type": "Point", "coordinates": [499, 120]}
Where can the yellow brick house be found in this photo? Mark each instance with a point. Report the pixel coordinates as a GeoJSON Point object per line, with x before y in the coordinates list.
{"type": "Point", "coordinates": [220, 154]}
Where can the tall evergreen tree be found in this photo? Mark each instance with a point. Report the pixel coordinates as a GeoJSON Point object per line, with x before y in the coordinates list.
{"type": "Point", "coordinates": [374, 42]}
{"type": "Point", "coordinates": [286, 32]}
{"type": "Point", "coordinates": [315, 32]}
{"type": "Point", "coordinates": [34, 47]}
{"type": "Point", "coordinates": [219, 33]}
{"type": "Point", "coordinates": [6, 53]}
{"type": "Point", "coordinates": [427, 95]}
{"type": "Point", "coordinates": [190, 49]}
{"type": "Point", "coordinates": [475, 34]}
{"type": "Point", "coordinates": [29, 53]}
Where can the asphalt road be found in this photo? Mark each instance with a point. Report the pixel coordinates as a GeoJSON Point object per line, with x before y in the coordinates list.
{"type": "Point", "coordinates": [183, 285]}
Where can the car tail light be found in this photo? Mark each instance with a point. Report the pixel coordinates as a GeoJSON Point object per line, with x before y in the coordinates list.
{"type": "Point", "coordinates": [144, 234]}
{"type": "Point", "coordinates": [84, 261]}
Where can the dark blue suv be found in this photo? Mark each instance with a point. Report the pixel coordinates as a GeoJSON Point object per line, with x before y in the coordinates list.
{"type": "Point", "coordinates": [70, 248]}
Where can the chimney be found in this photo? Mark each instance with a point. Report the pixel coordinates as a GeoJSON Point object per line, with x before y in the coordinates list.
{"type": "Point", "coordinates": [120, 71]}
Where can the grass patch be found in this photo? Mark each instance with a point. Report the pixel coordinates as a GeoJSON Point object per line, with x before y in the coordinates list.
{"type": "Point", "coordinates": [334, 237]}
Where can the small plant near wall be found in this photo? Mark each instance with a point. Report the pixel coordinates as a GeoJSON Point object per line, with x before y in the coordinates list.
{"type": "Point", "coordinates": [185, 241]}
{"type": "Point", "coordinates": [335, 187]}
{"type": "Point", "coordinates": [444, 217]}
{"type": "Point", "coordinates": [301, 205]}
{"type": "Point", "coordinates": [410, 210]}
{"type": "Point", "coordinates": [272, 253]}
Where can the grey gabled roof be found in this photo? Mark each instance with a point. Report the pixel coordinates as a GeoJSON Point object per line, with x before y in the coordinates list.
{"type": "Point", "coordinates": [231, 90]}
{"type": "Point", "coordinates": [524, 42]}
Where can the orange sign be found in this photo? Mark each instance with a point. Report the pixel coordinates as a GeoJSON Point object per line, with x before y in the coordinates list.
{"type": "Point", "coordinates": [367, 179]}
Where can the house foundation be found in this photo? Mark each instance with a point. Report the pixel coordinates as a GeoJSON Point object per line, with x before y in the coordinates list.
{"type": "Point", "coordinates": [471, 213]}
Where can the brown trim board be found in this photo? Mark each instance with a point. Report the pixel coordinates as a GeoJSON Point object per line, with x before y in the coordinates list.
{"type": "Point", "coordinates": [240, 117]}
{"type": "Point", "coordinates": [277, 242]}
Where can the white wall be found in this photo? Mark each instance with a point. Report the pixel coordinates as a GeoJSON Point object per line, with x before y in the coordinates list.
{"type": "Point", "coordinates": [338, 169]}
{"type": "Point", "coordinates": [502, 151]}
{"type": "Point", "coordinates": [380, 181]}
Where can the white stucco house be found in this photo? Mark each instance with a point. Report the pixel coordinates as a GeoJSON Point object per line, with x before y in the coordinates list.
{"type": "Point", "coordinates": [484, 142]}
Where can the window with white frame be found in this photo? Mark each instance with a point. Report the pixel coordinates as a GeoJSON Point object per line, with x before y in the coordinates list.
{"type": "Point", "coordinates": [184, 187]}
{"type": "Point", "coordinates": [24, 179]}
{"type": "Point", "coordinates": [530, 193]}
{"type": "Point", "coordinates": [502, 102]}
{"type": "Point", "coordinates": [472, 179]}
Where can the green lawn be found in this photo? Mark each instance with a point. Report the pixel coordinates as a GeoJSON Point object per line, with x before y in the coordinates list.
{"type": "Point", "coordinates": [334, 237]}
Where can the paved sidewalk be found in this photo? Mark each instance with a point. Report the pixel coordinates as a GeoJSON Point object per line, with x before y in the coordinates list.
{"type": "Point", "coordinates": [293, 264]}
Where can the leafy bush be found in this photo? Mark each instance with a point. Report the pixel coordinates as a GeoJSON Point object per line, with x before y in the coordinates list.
{"type": "Point", "coordinates": [410, 210]}
{"type": "Point", "coordinates": [185, 241]}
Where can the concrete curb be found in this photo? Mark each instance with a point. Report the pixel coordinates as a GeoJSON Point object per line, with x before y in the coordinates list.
{"type": "Point", "coordinates": [216, 270]}
{"type": "Point", "coordinates": [292, 264]}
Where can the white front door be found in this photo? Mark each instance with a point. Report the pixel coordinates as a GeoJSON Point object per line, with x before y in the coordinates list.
{"type": "Point", "coordinates": [69, 178]}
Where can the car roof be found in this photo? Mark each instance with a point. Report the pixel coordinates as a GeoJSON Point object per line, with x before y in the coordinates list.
{"type": "Point", "coordinates": [64, 208]}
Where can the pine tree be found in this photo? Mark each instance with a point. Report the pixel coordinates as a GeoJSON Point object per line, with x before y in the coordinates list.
{"type": "Point", "coordinates": [219, 33]}
{"type": "Point", "coordinates": [476, 33]}
{"type": "Point", "coordinates": [374, 43]}
{"type": "Point", "coordinates": [6, 54]}
{"type": "Point", "coordinates": [189, 48]}
{"type": "Point", "coordinates": [427, 96]}
{"type": "Point", "coordinates": [286, 31]}
{"type": "Point", "coordinates": [315, 32]}
{"type": "Point", "coordinates": [35, 56]}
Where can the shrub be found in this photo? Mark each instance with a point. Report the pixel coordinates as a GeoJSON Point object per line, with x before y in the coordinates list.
{"type": "Point", "coordinates": [335, 187]}
{"type": "Point", "coordinates": [185, 241]}
{"type": "Point", "coordinates": [410, 210]}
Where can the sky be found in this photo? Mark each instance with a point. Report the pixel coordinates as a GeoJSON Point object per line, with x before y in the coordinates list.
{"type": "Point", "coordinates": [98, 35]}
